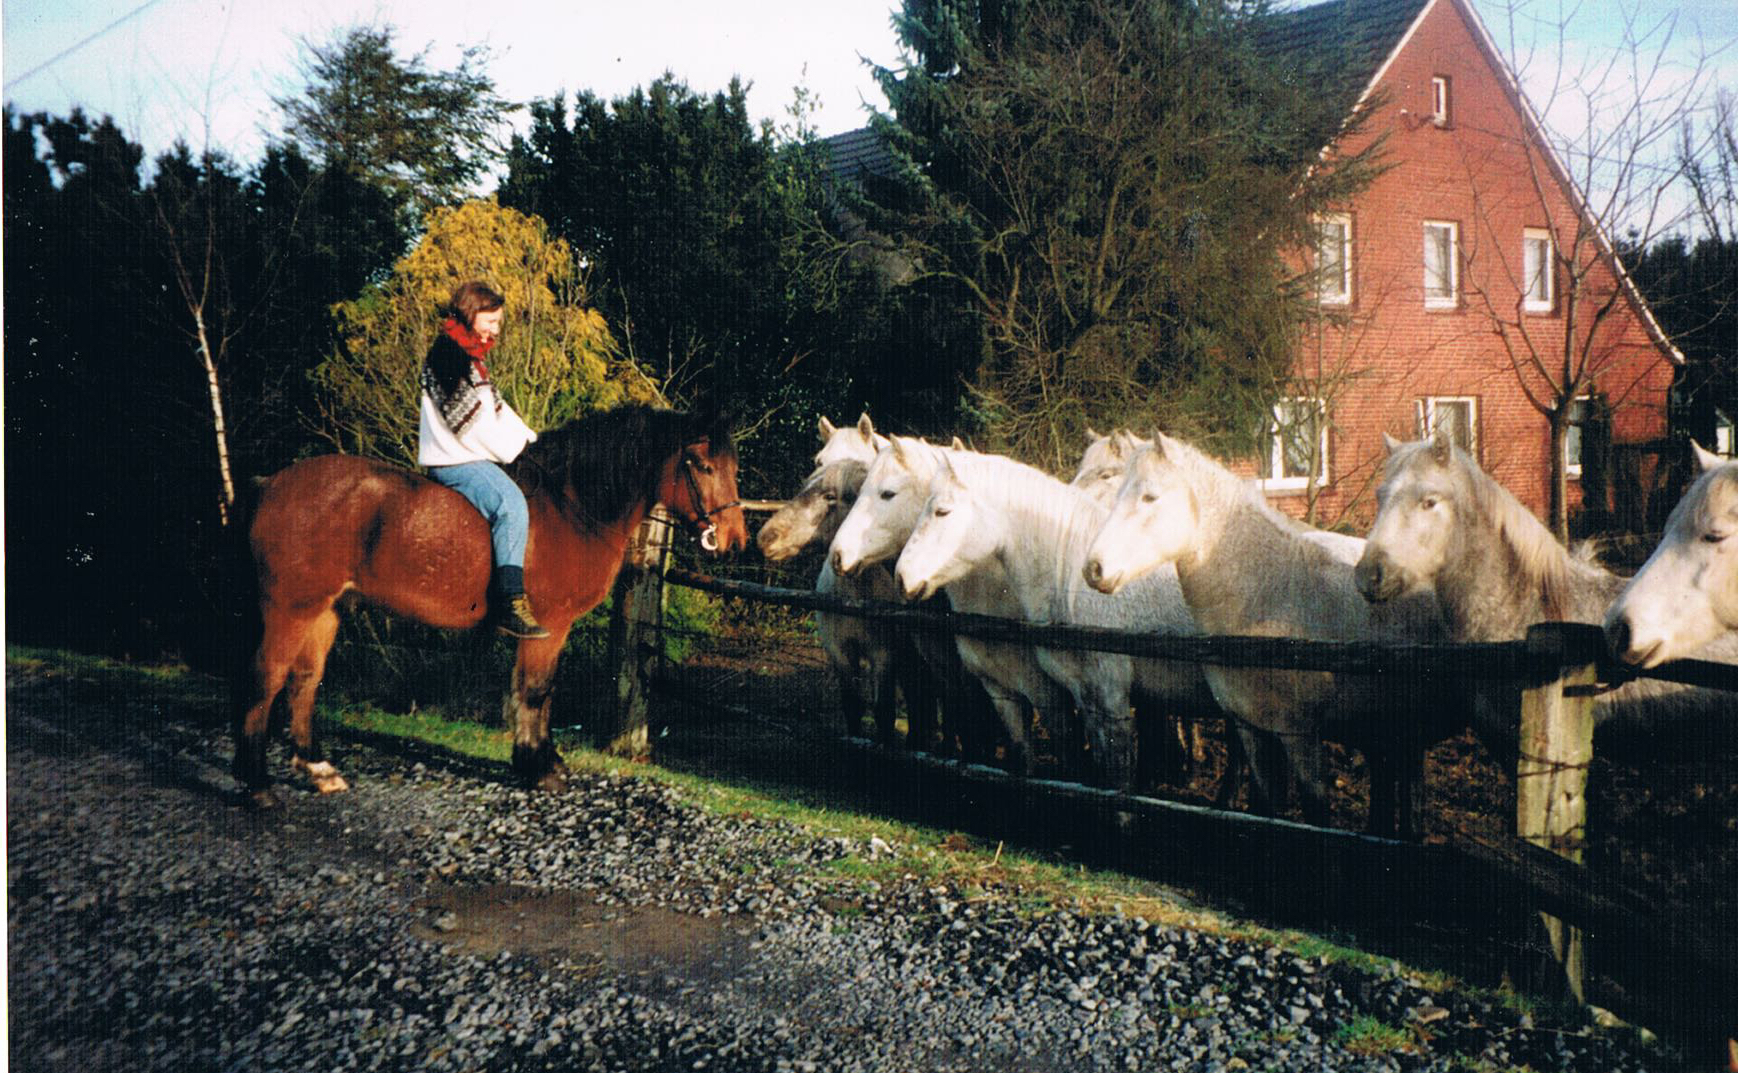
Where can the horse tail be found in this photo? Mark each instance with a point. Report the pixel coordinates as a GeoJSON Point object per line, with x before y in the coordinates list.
{"type": "Point", "coordinates": [242, 624]}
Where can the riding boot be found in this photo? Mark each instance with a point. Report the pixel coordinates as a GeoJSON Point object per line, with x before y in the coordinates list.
{"type": "Point", "coordinates": [513, 610]}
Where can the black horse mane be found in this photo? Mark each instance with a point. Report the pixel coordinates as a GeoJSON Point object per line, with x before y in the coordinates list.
{"type": "Point", "coordinates": [598, 467]}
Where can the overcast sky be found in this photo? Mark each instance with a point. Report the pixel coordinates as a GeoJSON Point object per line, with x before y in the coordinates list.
{"type": "Point", "coordinates": [192, 68]}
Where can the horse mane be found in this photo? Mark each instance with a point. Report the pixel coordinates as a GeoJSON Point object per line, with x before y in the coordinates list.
{"type": "Point", "coordinates": [598, 467]}
{"type": "Point", "coordinates": [1547, 567]}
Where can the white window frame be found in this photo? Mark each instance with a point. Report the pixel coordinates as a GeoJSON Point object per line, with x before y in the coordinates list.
{"type": "Point", "coordinates": [1275, 462]}
{"type": "Point", "coordinates": [1426, 413]}
{"type": "Point", "coordinates": [1344, 294]}
{"type": "Point", "coordinates": [1725, 434]}
{"type": "Point", "coordinates": [1574, 436]}
{"type": "Point", "coordinates": [1546, 271]}
{"type": "Point", "coordinates": [1451, 299]}
{"type": "Point", "coordinates": [1441, 100]}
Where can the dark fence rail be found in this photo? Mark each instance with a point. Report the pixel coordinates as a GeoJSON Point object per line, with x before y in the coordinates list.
{"type": "Point", "coordinates": [1678, 973]}
{"type": "Point", "coordinates": [1494, 660]}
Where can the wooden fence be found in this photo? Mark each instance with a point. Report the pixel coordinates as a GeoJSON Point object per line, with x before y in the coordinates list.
{"type": "Point", "coordinates": [1673, 972]}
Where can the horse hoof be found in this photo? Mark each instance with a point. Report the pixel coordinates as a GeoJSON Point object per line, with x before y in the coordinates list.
{"type": "Point", "coordinates": [553, 782]}
{"type": "Point", "coordinates": [323, 775]}
{"type": "Point", "coordinates": [264, 799]}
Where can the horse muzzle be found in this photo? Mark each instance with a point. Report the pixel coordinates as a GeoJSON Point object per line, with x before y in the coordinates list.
{"type": "Point", "coordinates": [1095, 576]}
{"type": "Point", "coordinates": [1377, 579]}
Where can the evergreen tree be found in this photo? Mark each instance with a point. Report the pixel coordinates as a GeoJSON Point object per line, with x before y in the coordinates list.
{"type": "Point", "coordinates": [1115, 183]}
{"type": "Point", "coordinates": [423, 137]}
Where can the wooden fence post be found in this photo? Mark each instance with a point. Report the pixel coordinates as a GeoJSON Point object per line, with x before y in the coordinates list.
{"type": "Point", "coordinates": [636, 622]}
{"type": "Point", "coordinates": [1556, 746]}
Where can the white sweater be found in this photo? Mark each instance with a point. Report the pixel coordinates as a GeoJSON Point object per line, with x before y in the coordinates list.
{"type": "Point", "coordinates": [492, 436]}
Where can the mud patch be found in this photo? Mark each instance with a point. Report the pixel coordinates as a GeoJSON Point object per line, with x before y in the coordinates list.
{"type": "Point", "coordinates": [567, 925]}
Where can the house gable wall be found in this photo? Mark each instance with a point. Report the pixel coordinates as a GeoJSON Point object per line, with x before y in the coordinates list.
{"type": "Point", "coordinates": [1484, 174]}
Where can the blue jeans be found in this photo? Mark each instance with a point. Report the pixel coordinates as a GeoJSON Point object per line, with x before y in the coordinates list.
{"type": "Point", "coordinates": [491, 491]}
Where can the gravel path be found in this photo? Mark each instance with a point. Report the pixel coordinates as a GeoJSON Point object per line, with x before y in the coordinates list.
{"type": "Point", "coordinates": [436, 919]}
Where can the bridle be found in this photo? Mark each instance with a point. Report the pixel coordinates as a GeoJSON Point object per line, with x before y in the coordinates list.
{"type": "Point", "coordinates": [702, 516]}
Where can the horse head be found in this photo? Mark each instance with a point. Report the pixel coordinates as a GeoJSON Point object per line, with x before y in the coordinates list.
{"type": "Point", "coordinates": [813, 515]}
{"type": "Point", "coordinates": [698, 483]}
{"type": "Point", "coordinates": [1686, 594]}
{"type": "Point", "coordinates": [1424, 497]}
{"type": "Point", "coordinates": [1104, 462]}
{"type": "Point", "coordinates": [953, 535]}
{"type": "Point", "coordinates": [894, 491]}
{"type": "Point", "coordinates": [1152, 521]}
{"type": "Point", "coordinates": [857, 442]}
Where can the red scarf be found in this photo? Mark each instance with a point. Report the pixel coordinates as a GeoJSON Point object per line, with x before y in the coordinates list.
{"type": "Point", "coordinates": [473, 344]}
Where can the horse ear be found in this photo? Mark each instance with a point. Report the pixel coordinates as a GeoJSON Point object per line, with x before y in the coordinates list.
{"type": "Point", "coordinates": [957, 444]}
{"type": "Point", "coordinates": [1390, 443]}
{"type": "Point", "coordinates": [1159, 441]}
{"type": "Point", "coordinates": [1705, 459]}
{"type": "Point", "coordinates": [1091, 436]}
{"type": "Point", "coordinates": [827, 429]}
{"type": "Point", "coordinates": [866, 427]}
{"type": "Point", "coordinates": [901, 453]}
{"type": "Point", "coordinates": [1441, 447]}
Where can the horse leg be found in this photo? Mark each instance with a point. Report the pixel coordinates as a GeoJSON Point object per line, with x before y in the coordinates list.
{"type": "Point", "coordinates": [310, 667]}
{"type": "Point", "coordinates": [1309, 763]}
{"type": "Point", "coordinates": [921, 690]}
{"type": "Point", "coordinates": [883, 693]}
{"type": "Point", "coordinates": [1269, 788]}
{"type": "Point", "coordinates": [526, 708]}
{"type": "Point", "coordinates": [281, 639]}
{"type": "Point", "coordinates": [1236, 765]}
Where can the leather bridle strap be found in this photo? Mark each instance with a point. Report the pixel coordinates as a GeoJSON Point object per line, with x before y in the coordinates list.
{"type": "Point", "coordinates": [702, 516]}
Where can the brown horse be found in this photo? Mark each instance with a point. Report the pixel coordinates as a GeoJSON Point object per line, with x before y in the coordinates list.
{"type": "Point", "coordinates": [340, 527]}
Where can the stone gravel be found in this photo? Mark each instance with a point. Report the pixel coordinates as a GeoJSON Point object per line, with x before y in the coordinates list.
{"type": "Point", "coordinates": [436, 918]}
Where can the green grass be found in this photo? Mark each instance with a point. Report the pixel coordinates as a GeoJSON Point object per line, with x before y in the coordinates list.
{"type": "Point", "coordinates": [1367, 1035]}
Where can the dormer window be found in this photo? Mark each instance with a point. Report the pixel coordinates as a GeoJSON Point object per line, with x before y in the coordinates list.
{"type": "Point", "coordinates": [1439, 100]}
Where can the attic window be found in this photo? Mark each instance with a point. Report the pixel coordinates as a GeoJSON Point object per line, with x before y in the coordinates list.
{"type": "Point", "coordinates": [1439, 100]}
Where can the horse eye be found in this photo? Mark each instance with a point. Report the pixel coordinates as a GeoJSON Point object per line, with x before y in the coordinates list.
{"type": "Point", "coordinates": [1714, 538]}
{"type": "Point", "coordinates": [889, 494]}
{"type": "Point", "coordinates": [1148, 497]}
{"type": "Point", "coordinates": [942, 512]}
{"type": "Point", "coordinates": [830, 498]}
{"type": "Point", "coordinates": [1428, 502]}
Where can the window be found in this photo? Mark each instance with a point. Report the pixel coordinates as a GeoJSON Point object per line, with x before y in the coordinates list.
{"type": "Point", "coordinates": [1724, 440]}
{"type": "Point", "coordinates": [1297, 445]}
{"type": "Point", "coordinates": [1455, 414]}
{"type": "Point", "coordinates": [1441, 265]}
{"type": "Point", "coordinates": [1536, 270]}
{"type": "Point", "coordinates": [1334, 259]}
{"type": "Point", "coordinates": [1582, 413]}
{"type": "Point", "coordinates": [1439, 102]}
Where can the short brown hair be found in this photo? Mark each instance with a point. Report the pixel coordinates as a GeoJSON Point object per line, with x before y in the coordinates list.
{"type": "Point", "coordinates": [472, 298]}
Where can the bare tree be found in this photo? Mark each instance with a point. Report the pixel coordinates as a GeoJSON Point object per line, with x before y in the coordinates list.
{"type": "Point", "coordinates": [1597, 149]}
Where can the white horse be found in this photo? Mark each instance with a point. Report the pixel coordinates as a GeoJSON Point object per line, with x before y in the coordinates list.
{"type": "Point", "coordinates": [1245, 568]}
{"type": "Point", "coordinates": [1444, 523]}
{"type": "Point", "coordinates": [1103, 462]}
{"type": "Point", "coordinates": [1686, 594]}
{"type": "Point", "coordinates": [1023, 523]}
{"type": "Point", "coordinates": [859, 442]}
{"type": "Point", "coordinates": [874, 532]}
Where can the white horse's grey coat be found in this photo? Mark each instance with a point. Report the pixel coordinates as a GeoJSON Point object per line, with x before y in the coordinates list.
{"type": "Point", "coordinates": [1686, 594]}
{"type": "Point", "coordinates": [1496, 569]}
{"type": "Point", "coordinates": [1036, 530]}
{"type": "Point", "coordinates": [1247, 569]}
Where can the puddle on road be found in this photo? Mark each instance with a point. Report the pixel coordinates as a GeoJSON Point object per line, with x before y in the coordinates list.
{"type": "Point", "coordinates": [646, 940]}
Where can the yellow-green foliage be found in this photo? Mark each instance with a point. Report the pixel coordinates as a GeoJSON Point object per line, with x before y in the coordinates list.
{"type": "Point", "coordinates": [556, 358]}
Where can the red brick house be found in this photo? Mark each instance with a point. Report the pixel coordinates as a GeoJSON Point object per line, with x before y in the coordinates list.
{"type": "Point", "coordinates": [1448, 287]}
